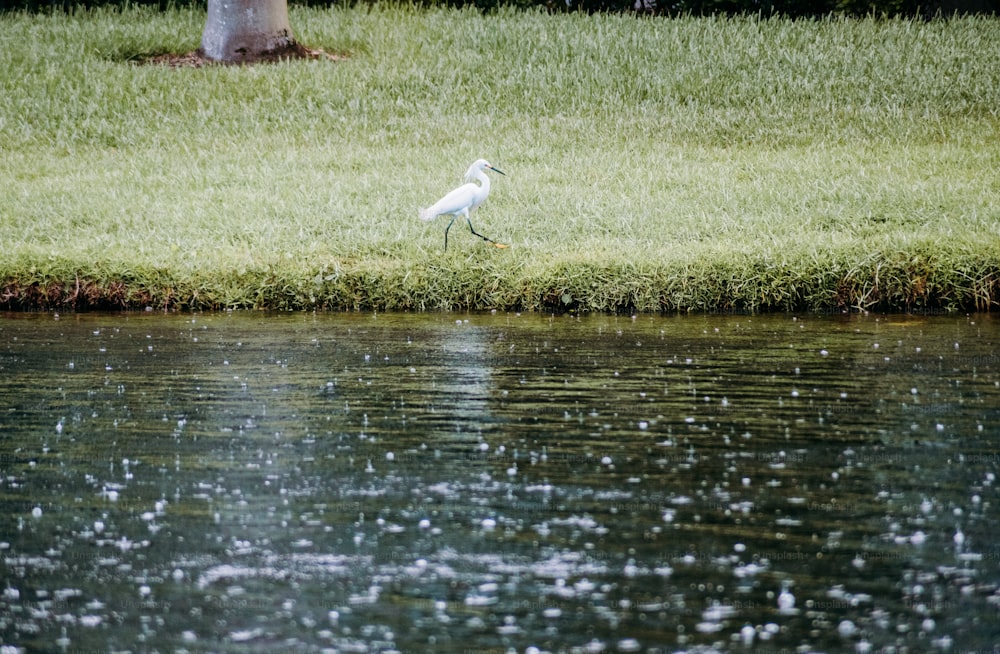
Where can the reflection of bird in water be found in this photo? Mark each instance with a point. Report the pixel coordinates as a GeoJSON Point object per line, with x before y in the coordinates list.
{"type": "Point", "coordinates": [786, 601]}
{"type": "Point", "coordinates": [464, 200]}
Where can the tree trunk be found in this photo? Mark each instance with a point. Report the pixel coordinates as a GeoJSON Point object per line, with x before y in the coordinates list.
{"type": "Point", "coordinates": [241, 31]}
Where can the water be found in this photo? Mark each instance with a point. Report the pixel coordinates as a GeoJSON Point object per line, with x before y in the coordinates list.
{"type": "Point", "coordinates": [485, 483]}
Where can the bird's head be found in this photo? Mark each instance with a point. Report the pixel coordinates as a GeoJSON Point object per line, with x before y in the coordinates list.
{"type": "Point", "coordinates": [480, 165]}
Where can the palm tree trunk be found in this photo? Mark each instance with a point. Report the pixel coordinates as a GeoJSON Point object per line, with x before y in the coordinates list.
{"type": "Point", "coordinates": [239, 31]}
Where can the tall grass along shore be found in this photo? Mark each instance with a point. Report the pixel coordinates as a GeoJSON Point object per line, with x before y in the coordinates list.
{"type": "Point", "coordinates": [703, 164]}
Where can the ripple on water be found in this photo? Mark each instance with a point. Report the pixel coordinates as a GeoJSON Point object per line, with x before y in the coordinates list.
{"type": "Point", "coordinates": [353, 484]}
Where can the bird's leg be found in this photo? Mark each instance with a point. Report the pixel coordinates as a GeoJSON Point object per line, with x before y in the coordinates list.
{"type": "Point", "coordinates": [488, 240]}
{"type": "Point", "coordinates": [450, 223]}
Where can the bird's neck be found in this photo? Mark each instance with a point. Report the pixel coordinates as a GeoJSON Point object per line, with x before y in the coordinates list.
{"type": "Point", "coordinates": [484, 181]}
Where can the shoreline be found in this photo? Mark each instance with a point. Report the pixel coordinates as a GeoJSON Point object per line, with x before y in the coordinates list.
{"type": "Point", "coordinates": [901, 284]}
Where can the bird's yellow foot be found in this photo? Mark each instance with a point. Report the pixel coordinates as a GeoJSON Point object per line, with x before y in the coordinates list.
{"type": "Point", "coordinates": [502, 246]}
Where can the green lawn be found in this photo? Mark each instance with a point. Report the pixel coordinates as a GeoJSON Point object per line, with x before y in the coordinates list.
{"type": "Point", "coordinates": [652, 164]}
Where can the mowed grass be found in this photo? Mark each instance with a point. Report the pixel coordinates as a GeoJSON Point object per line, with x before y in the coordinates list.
{"type": "Point", "coordinates": [704, 164]}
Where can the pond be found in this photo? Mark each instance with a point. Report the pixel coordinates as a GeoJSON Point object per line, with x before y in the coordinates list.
{"type": "Point", "coordinates": [500, 482]}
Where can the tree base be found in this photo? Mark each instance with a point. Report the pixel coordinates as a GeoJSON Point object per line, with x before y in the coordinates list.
{"type": "Point", "coordinates": [197, 59]}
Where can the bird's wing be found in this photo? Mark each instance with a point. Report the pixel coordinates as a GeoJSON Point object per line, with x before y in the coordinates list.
{"type": "Point", "coordinates": [461, 198]}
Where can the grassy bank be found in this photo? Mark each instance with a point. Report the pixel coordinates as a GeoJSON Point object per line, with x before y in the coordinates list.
{"type": "Point", "coordinates": [652, 165]}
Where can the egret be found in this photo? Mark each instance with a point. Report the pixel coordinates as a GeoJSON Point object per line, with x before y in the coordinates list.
{"type": "Point", "coordinates": [464, 200]}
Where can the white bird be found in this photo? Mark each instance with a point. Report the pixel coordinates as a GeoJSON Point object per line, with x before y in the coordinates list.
{"type": "Point", "coordinates": [464, 200]}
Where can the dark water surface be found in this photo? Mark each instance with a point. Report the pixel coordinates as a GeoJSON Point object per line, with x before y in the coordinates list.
{"type": "Point", "coordinates": [494, 483]}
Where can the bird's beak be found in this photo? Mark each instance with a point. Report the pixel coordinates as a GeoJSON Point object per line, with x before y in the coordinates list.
{"type": "Point", "coordinates": [497, 170]}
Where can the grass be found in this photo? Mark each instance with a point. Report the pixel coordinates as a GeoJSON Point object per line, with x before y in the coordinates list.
{"type": "Point", "coordinates": [703, 164]}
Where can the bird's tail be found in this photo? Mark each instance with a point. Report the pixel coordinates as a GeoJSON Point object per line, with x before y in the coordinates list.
{"type": "Point", "coordinates": [427, 214]}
